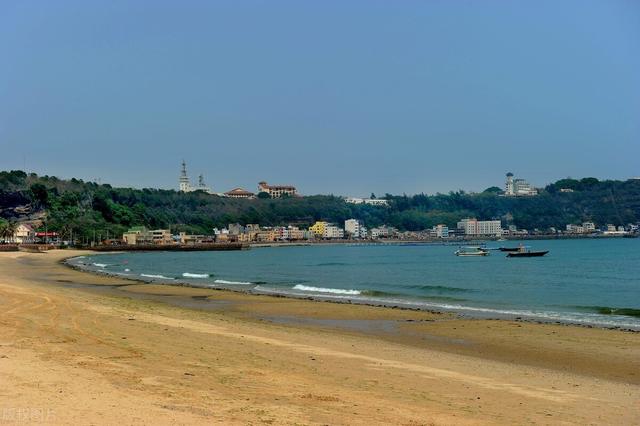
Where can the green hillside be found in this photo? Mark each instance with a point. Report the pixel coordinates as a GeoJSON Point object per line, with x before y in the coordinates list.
{"type": "Point", "coordinates": [82, 207]}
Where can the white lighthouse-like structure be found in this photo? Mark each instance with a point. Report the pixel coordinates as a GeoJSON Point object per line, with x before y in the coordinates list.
{"type": "Point", "coordinates": [185, 183]}
{"type": "Point", "coordinates": [518, 187]}
{"type": "Point", "coordinates": [509, 190]}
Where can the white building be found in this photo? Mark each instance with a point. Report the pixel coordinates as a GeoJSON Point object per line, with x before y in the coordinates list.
{"type": "Point", "coordinates": [333, 232]}
{"type": "Point", "coordinates": [589, 227]}
{"type": "Point", "coordinates": [355, 229]}
{"type": "Point", "coordinates": [383, 232]}
{"type": "Point", "coordinates": [185, 183]}
{"type": "Point", "coordinates": [24, 234]}
{"type": "Point", "coordinates": [518, 187]}
{"type": "Point", "coordinates": [441, 231]}
{"type": "Point", "coordinates": [474, 227]}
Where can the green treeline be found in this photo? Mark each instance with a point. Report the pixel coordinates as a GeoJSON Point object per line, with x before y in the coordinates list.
{"type": "Point", "coordinates": [84, 207]}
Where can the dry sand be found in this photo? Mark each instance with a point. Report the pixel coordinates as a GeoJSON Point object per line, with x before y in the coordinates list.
{"type": "Point", "coordinates": [77, 348]}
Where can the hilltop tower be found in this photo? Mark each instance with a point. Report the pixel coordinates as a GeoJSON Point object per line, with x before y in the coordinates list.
{"type": "Point", "coordinates": [201, 185]}
{"type": "Point", "coordinates": [185, 184]}
{"type": "Point", "coordinates": [509, 190]}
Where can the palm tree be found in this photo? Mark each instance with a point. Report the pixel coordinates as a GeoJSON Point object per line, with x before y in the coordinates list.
{"type": "Point", "coordinates": [3, 230]}
{"type": "Point", "coordinates": [7, 231]}
{"type": "Point", "coordinates": [12, 227]}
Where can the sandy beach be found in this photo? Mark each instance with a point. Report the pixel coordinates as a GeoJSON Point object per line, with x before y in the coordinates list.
{"type": "Point", "coordinates": [77, 348]}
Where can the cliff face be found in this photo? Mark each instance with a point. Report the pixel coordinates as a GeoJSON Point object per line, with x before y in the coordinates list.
{"type": "Point", "coordinates": [16, 205]}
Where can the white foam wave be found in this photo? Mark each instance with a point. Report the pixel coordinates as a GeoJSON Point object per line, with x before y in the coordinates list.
{"type": "Point", "coordinates": [190, 275]}
{"type": "Point", "coordinates": [326, 290]}
{"type": "Point", "coordinates": [156, 276]}
{"type": "Point", "coordinates": [127, 270]}
{"type": "Point", "coordinates": [232, 282]}
{"type": "Point", "coordinates": [100, 265]}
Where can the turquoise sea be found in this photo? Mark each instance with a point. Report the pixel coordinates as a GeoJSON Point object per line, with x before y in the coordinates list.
{"type": "Point", "coordinates": [592, 282]}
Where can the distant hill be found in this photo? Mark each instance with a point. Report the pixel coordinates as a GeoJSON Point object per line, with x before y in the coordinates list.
{"type": "Point", "coordinates": [82, 207]}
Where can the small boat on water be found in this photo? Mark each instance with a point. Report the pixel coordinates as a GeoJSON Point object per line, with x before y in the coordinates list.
{"type": "Point", "coordinates": [522, 251]}
{"type": "Point", "coordinates": [472, 251]}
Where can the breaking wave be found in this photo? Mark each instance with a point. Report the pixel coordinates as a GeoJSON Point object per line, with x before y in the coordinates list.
{"type": "Point", "coordinates": [232, 282]}
{"type": "Point", "coordinates": [190, 275]}
{"type": "Point", "coordinates": [156, 276]}
{"type": "Point", "coordinates": [326, 290]}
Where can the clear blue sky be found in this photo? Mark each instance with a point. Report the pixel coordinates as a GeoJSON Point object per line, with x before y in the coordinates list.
{"type": "Point", "coordinates": [343, 97]}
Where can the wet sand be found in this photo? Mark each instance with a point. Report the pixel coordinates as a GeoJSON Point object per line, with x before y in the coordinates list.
{"type": "Point", "coordinates": [82, 348]}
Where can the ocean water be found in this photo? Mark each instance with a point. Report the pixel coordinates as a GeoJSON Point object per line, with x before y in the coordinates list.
{"type": "Point", "coordinates": [592, 282]}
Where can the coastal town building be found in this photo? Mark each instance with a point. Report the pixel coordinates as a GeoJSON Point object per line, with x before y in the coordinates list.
{"type": "Point", "coordinates": [574, 229]}
{"type": "Point", "coordinates": [185, 238]}
{"type": "Point", "coordinates": [474, 227]}
{"type": "Point", "coordinates": [584, 228]}
{"type": "Point", "coordinates": [318, 228]}
{"type": "Point", "coordinates": [277, 191]}
{"type": "Point", "coordinates": [354, 228]}
{"type": "Point", "coordinates": [161, 236]}
{"type": "Point", "coordinates": [440, 231]}
{"type": "Point", "coordinates": [239, 193]}
{"type": "Point", "coordinates": [333, 232]}
{"type": "Point", "coordinates": [137, 235]}
{"type": "Point", "coordinates": [24, 234]}
{"type": "Point", "coordinates": [518, 187]}
{"type": "Point", "coordinates": [383, 232]}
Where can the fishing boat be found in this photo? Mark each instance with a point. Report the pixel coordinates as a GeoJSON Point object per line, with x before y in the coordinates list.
{"type": "Point", "coordinates": [522, 251]}
{"type": "Point", "coordinates": [472, 251]}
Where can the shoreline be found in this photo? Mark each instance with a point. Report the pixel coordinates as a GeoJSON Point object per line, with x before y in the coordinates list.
{"type": "Point", "coordinates": [463, 312]}
{"type": "Point", "coordinates": [102, 349]}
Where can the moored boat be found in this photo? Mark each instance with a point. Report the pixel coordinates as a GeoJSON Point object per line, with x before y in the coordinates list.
{"type": "Point", "coordinates": [471, 251]}
{"type": "Point", "coordinates": [522, 251]}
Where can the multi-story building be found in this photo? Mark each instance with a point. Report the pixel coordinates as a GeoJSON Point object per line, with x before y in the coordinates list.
{"type": "Point", "coordinates": [441, 231]}
{"type": "Point", "coordinates": [296, 234]}
{"type": "Point", "coordinates": [355, 229]}
{"type": "Point", "coordinates": [474, 227]}
{"type": "Point", "coordinates": [518, 187]}
{"type": "Point", "coordinates": [383, 232]}
{"type": "Point", "coordinates": [267, 235]}
{"type": "Point", "coordinates": [235, 229]}
{"type": "Point", "coordinates": [333, 232]}
{"type": "Point", "coordinates": [589, 227]}
{"type": "Point", "coordinates": [137, 235]}
{"type": "Point", "coordinates": [194, 239]}
{"type": "Point", "coordinates": [318, 228]}
{"type": "Point", "coordinates": [161, 236]}
{"type": "Point", "coordinates": [277, 191]}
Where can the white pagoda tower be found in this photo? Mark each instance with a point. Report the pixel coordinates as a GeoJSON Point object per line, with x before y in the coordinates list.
{"type": "Point", "coordinates": [185, 184]}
